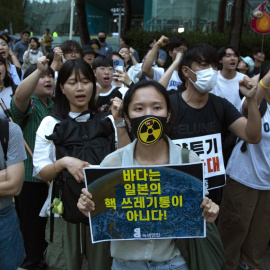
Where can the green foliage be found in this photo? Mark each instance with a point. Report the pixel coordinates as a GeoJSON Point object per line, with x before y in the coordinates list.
{"type": "Point", "coordinates": [11, 11]}
{"type": "Point", "coordinates": [249, 41]}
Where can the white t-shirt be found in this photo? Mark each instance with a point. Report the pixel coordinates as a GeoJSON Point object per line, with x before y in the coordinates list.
{"type": "Point", "coordinates": [174, 80]}
{"type": "Point", "coordinates": [252, 167]}
{"type": "Point", "coordinates": [6, 96]}
{"type": "Point", "coordinates": [32, 59]}
{"type": "Point", "coordinates": [229, 89]}
{"type": "Point", "coordinates": [14, 75]}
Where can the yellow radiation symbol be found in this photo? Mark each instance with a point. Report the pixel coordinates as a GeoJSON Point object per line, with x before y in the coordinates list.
{"type": "Point", "coordinates": [150, 130]}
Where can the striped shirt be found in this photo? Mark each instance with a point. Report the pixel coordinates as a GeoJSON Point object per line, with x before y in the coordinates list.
{"type": "Point", "coordinates": [37, 111]}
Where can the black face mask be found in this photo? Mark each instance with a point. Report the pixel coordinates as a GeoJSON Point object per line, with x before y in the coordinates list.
{"type": "Point", "coordinates": [149, 128]}
{"type": "Point", "coordinates": [101, 39]}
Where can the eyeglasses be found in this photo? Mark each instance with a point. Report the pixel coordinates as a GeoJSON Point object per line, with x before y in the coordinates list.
{"type": "Point", "coordinates": [107, 69]}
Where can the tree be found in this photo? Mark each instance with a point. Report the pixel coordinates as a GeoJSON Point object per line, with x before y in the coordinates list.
{"type": "Point", "coordinates": [11, 11]}
{"type": "Point", "coordinates": [237, 22]}
{"type": "Point", "coordinates": [82, 22]}
{"type": "Point", "coordinates": [127, 16]}
{"type": "Point", "coordinates": [221, 15]}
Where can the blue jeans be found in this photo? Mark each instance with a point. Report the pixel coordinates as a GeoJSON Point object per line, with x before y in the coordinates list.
{"type": "Point", "coordinates": [11, 242]}
{"type": "Point", "coordinates": [177, 263]}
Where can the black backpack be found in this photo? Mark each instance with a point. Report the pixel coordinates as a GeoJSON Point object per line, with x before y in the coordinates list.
{"type": "Point", "coordinates": [19, 72]}
{"type": "Point", "coordinates": [89, 141]}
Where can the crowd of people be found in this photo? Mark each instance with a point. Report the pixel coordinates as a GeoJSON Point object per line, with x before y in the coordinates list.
{"type": "Point", "coordinates": [68, 107]}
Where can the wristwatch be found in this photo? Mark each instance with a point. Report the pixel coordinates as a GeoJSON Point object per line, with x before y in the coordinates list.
{"type": "Point", "coordinates": [121, 123]}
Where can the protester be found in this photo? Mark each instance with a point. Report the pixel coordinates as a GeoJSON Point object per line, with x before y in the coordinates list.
{"type": "Point", "coordinates": [259, 57]}
{"type": "Point", "coordinates": [162, 55]}
{"type": "Point", "coordinates": [128, 55]}
{"type": "Point", "coordinates": [126, 41]}
{"type": "Point", "coordinates": [175, 45]}
{"type": "Point", "coordinates": [195, 110]}
{"type": "Point", "coordinates": [228, 78]}
{"type": "Point", "coordinates": [141, 101]}
{"type": "Point", "coordinates": [70, 49]}
{"type": "Point", "coordinates": [88, 54]}
{"type": "Point", "coordinates": [245, 65]}
{"type": "Point", "coordinates": [103, 69]}
{"type": "Point", "coordinates": [15, 68]}
{"type": "Point", "coordinates": [32, 54]}
{"type": "Point", "coordinates": [30, 104]}
{"type": "Point", "coordinates": [21, 46]}
{"type": "Point", "coordinates": [12, 155]}
{"type": "Point", "coordinates": [7, 86]}
{"type": "Point", "coordinates": [245, 215]}
{"type": "Point", "coordinates": [94, 43]}
{"type": "Point", "coordinates": [74, 99]}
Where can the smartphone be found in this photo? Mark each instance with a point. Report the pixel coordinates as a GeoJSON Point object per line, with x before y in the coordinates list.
{"type": "Point", "coordinates": [118, 64]}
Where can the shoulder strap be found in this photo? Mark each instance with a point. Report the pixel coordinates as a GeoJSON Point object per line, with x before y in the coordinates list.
{"type": "Point", "coordinates": [218, 107]}
{"type": "Point", "coordinates": [185, 155]}
{"type": "Point", "coordinates": [4, 135]}
{"type": "Point", "coordinates": [19, 72]}
{"type": "Point", "coordinates": [175, 103]}
{"type": "Point", "coordinates": [14, 87]}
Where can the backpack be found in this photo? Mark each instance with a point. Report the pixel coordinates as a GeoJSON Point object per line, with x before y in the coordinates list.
{"type": "Point", "coordinates": [89, 141]}
{"type": "Point", "coordinates": [19, 72]}
{"type": "Point", "coordinates": [4, 135]}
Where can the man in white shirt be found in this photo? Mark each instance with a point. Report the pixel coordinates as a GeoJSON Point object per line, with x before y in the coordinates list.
{"type": "Point", "coordinates": [175, 44]}
{"type": "Point", "coordinates": [228, 78]}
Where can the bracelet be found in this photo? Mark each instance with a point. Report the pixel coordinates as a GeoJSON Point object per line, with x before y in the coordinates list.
{"type": "Point", "coordinates": [11, 54]}
{"type": "Point", "coordinates": [55, 167]}
{"type": "Point", "coordinates": [161, 42]}
{"type": "Point", "coordinates": [263, 86]}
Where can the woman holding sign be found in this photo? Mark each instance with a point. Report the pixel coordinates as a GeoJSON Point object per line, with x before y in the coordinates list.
{"type": "Point", "coordinates": [143, 101]}
{"type": "Point", "coordinates": [66, 142]}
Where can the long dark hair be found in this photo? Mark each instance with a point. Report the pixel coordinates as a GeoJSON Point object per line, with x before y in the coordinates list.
{"type": "Point", "coordinates": [129, 62]}
{"type": "Point", "coordinates": [7, 80]}
{"type": "Point", "coordinates": [61, 103]}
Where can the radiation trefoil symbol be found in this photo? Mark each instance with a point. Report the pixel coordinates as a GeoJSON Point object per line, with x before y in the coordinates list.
{"type": "Point", "coordinates": [150, 130]}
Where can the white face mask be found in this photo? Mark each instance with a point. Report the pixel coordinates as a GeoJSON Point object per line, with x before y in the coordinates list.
{"type": "Point", "coordinates": [206, 79]}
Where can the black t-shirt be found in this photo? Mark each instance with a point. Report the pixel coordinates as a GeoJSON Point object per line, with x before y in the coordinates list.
{"type": "Point", "coordinates": [190, 122]}
{"type": "Point", "coordinates": [103, 102]}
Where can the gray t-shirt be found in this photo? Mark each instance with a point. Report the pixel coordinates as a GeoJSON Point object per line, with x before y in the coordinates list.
{"type": "Point", "coordinates": [15, 154]}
